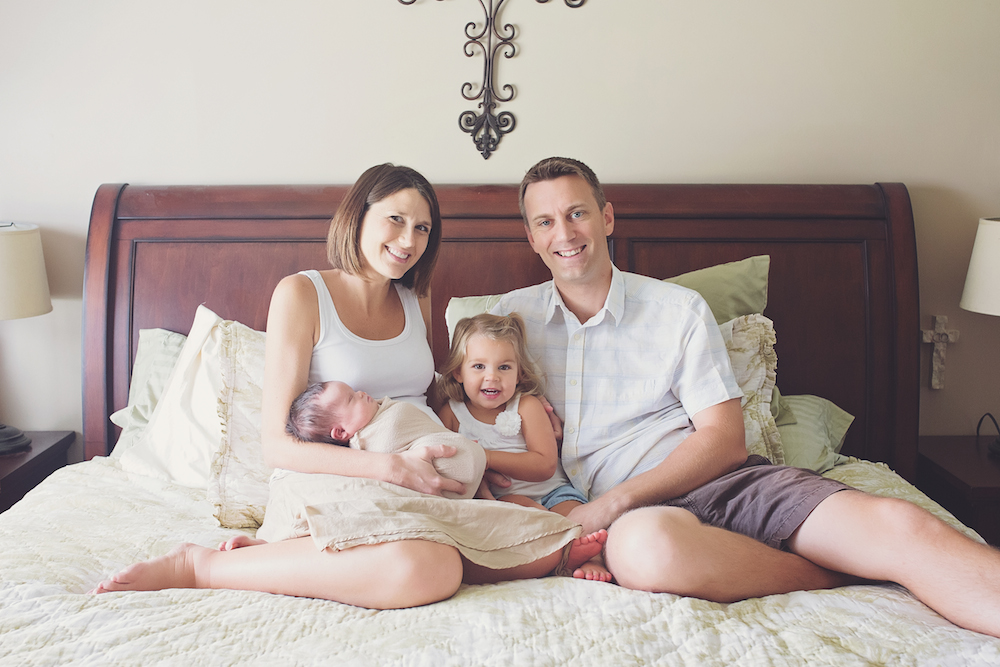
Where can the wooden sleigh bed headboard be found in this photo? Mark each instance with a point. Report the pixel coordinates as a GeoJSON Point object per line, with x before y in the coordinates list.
{"type": "Point", "coordinates": [842, 287]}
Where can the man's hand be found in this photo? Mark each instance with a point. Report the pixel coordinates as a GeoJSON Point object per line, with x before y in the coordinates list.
{"type": "Point", "coordinates": [556, 422]}
{"type": "Point", "coordinates": [594, 515]}
{"type": "Point", "coordinates": [495, 478]}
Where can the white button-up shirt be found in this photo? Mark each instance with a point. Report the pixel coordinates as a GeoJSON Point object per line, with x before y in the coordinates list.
{"type": "Point", "coordinates": [626, 381]}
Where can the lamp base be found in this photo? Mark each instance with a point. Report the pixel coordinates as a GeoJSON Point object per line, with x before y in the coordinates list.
{"type": "Point", "coordinates": [13, 440]}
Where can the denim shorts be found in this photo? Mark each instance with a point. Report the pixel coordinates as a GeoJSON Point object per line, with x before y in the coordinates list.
{"type": "Point", "coordinates": [562, 494]}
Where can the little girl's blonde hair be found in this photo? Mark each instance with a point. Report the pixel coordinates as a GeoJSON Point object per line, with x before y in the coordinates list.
{"type": "Point", "coordinates": [509, 328]}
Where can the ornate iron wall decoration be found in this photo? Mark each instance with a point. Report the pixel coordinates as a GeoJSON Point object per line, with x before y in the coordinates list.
{"type": "Point", "coordinates": [489, 127]}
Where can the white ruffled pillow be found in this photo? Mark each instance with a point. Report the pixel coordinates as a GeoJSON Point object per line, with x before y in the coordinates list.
{"type": "Point", "coordinates": [750, 341]}
{"type": "Point", "coordinates": [205, 429]}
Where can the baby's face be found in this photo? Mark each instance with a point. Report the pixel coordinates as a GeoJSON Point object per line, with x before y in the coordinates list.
{"type": "Point", "coordinates": [356, 408]}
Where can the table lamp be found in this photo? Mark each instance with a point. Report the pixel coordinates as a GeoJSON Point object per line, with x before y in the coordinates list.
{"type": "Point", "coordinates": [982, 284]}
{"type": "Point", "coordinates": [24, 292]}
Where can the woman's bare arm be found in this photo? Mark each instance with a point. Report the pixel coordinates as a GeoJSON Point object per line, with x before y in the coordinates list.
{"type": "Point", "coordinates": [292, 329]}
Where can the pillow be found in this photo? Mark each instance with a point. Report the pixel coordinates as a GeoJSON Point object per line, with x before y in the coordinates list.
{"type": "Point", "coordinates": [184, 429]}
{"type": "Point", "coordinates": [750, 341]}
{"type": "Point", "coordinates": [154, 360]}
{"type": "Point", "coordinates": [238, 480]}
{"type": "Point", "coordinates": [731, 290]}
{"type": "Point", "coordinates": [781, 410]}
{"type": "Point", "coordinates": [815, 439]}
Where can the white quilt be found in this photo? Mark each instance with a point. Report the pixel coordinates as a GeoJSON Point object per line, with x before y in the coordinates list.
{"type": "Point", "coordinates": [92, 519]}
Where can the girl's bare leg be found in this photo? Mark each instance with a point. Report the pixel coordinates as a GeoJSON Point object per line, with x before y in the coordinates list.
{"type": "Point", "coordinates": [581, 550]}
{"type": "Point", "coordinates": [384, 576]}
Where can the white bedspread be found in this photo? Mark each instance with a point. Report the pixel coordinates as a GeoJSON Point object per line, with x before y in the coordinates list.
{"type": "Point", "coordinates": [91, 519]}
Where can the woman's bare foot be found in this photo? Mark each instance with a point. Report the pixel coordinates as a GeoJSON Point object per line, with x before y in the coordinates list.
{"type": "Point", "coordinates": [176, 569]}
{"type": "Point", "coordinates": [240, 541]}
{"type": "Point", "coordinates": [584, 548]}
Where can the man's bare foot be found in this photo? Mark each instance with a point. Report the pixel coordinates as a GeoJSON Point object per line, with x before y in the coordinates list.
{"type": "Point", "coordinates": [240, 541]}
{"type": "Point", "coordinates": [593, 570]}
{"type": "Point", "coordinates": [176, 569]}
{"type": "Point", "coordinates": [584, 548]}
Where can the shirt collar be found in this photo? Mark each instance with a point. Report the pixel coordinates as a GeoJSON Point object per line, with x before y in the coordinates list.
{"type": "Point", "coordinates": [614, 305]}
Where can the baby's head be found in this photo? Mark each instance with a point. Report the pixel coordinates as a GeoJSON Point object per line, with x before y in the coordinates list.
{"type": "Point", "coordinates": [495, 339]}
{"type": "Point", "coordinates": [330, 412]}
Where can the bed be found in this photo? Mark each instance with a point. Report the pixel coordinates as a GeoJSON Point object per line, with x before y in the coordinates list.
{"type": "Point", "coordinates": [840, 286]}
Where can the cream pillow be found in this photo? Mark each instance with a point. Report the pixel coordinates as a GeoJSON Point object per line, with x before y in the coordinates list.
{"type": "Point", "coordinates": [155, 358]}
{"type": "Point", "coordinates": [185, 428]}
{"type": "Point", "coordinates": [238, 481]}
{"type": "Point", "coordinates": [750, 341]}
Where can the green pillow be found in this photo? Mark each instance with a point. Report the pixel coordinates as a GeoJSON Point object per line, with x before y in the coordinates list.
{"type": "Point", "coordinates": [815, 439]}
{"type": "Point", "coordinates": [731, 290]}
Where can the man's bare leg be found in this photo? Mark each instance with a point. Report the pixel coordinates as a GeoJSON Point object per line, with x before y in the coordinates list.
{"type": "Point", "coordinates": [667, 550]}
{"type": "Point", "coordinates": [384, 576]}
{"type": "Point", "coordinates": [894, 540]}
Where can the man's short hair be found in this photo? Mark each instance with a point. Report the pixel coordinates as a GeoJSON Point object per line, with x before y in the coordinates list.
{"type": "Point", "coordinates": [552, 168]}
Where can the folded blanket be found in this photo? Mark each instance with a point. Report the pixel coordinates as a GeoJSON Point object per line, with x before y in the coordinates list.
{"type": "Point", "coordinates": [343, 512]}
{"type": "Point", "coordinates": [399, 427]}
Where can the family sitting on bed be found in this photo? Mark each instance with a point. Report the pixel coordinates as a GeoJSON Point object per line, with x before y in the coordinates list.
{"type": "Point", "coordinates": [653, 433]}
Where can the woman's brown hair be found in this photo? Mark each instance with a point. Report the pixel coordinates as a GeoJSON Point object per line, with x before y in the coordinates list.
{"type": "Point", "coordinates": [343, 240]}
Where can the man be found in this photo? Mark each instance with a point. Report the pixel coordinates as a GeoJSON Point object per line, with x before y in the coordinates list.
{"type": "Point", "coordinates": [654, 435]}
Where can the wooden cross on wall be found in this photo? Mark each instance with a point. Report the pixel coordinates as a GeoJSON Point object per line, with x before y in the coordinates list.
{"type": "Point", "coordinates": [487, 128]}
{"type": "Point", "coordinates": [940, 335]}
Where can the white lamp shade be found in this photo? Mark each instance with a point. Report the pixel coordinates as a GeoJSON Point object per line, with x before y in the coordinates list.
{"type": "Point", "coordinates": [982, 284]}
{"type": "Point", "coordinates": [24, 287]}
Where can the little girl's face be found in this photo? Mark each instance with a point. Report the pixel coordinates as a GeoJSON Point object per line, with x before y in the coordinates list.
{"type": "Point", "coordinates": [489, 372]}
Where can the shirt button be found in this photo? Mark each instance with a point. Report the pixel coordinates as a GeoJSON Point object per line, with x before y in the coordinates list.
{"type": "Point", "coordinates": [571, 430]}
{"type": "Point", "coordinates": [576, 337]}
{"type": "Point", "coordinates": [573, 382]}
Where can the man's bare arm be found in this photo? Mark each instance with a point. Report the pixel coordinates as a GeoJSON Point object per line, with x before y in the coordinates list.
{"type": "Point", "coordinates": [717, 446]}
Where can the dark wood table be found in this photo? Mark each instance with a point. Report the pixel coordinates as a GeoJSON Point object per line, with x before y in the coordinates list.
{"type": "Point", "coordinates": [21, 472]}
{"type": "Point", "coordinates": [959, 472]}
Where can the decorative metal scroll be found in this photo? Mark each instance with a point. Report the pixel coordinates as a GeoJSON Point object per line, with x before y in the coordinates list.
{"type": "Point", "coordinates": [488, 127]}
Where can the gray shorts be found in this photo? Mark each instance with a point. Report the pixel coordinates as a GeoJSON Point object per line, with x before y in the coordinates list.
{"type": "Point", "coordinates": [760, 500]}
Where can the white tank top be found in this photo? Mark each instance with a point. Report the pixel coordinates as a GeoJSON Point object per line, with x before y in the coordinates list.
{"type": "Point", "coordinates": [401, 368]}
{"type": "Point", "coordinates": [489, 437]}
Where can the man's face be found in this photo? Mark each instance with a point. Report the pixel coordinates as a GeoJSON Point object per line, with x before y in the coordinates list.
{"type": "Point", "coordinates": [568, 230]}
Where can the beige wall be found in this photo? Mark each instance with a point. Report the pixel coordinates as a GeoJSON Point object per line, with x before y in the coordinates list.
{"type": "Point", "coordinates": [254, 91]}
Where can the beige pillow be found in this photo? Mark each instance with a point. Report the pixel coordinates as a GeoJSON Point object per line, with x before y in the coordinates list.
{"type": "Point", "coordinates": [155, 358]}
{"type": "Point", "coordinates": [238, 481]}
{"type": "Point", "coordinates": [184, 429]}
{"type": "Point", "coordinates": [750, 341]}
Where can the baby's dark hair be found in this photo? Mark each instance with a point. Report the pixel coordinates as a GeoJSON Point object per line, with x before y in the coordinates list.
{"type": "Point", "coordinates": [307, 421]}
{"type": "Point", "coordinates": [509, 328]}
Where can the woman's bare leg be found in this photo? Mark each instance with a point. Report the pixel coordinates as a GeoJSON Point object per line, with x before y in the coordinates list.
{"type": "Point", "coordinates": [384, 576]}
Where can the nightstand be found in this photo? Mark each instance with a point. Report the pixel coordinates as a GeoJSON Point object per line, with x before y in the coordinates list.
{"type": "Point", "coordinates": [21, 472]}
{"type": "Point", "coordinates": [958, 472]}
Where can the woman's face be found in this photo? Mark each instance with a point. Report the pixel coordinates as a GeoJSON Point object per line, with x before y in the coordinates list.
{"type": "Point", "coordinates": [394, 234]}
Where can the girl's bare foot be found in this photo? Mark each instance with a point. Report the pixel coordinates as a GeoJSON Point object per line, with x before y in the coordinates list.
{"type": "Point", "coordinates": [584, 548]}
{"type": "Point", "coordinates": [593, 570]}
{"type": "Point", "coordinates": [176, 569]}
{"type": "Point", "coordinates": [240, 541]}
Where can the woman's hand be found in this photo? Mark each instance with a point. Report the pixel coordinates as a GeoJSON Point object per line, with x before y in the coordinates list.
{"type": "Point", "coordinates": [414, 469]}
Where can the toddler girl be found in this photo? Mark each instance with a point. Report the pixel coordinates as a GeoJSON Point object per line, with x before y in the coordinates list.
{"type": "Point", "coordinates": [493, 391]}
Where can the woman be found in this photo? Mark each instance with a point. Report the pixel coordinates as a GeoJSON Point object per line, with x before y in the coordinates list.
{"type": "Point", "coordinates": [383, 243]}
